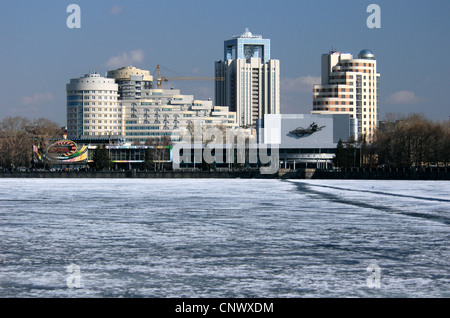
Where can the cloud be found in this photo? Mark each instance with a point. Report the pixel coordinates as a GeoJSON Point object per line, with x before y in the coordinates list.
{"type": "Point", "coordinates": [404, 97]}
{"type": "Point", "coordinates": [126, 58]}
{"type": "Point", "coordinates": [303, 84]}
{"type": "Point", "coordinates": [37, 98]}
{"type": "Point", "coordinates": [115, 9]}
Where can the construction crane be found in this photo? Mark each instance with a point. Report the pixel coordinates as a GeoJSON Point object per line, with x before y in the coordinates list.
{"type": "Point", "coordinates": [185, 78]}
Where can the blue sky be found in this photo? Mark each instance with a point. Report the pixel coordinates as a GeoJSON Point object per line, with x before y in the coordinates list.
{"type": "Point", "coordinates": [39, 53]}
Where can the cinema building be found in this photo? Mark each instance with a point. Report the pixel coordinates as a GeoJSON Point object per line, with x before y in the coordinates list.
{"type": "Point", "coordinates": [306, 140]}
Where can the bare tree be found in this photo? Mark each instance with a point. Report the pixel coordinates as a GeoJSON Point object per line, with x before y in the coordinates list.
{"type": "Point", "coordinates": [43, 133]}
{"type": "Point", "coordinates": [19, 134]}
{"type": "Point", "coordinates": [15, 145]}
{"type": "Point", "coordinates": [413, 140]}
{"type": "Point", "coordinates": [165, 144]}
{"type": "Point", "coordinates": [150, 154]}
{"type": "Point", "coordinates": [158, 153]}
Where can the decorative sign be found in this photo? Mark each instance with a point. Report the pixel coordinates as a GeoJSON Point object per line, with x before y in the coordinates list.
{"type": "Point", "coordinates": [66, 151]}
{"type": "Point", "coordinates": [300, 131]}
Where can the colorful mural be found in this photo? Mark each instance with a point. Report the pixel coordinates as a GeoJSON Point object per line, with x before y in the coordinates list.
{"type": "Point", "coordinates": [64, 151]}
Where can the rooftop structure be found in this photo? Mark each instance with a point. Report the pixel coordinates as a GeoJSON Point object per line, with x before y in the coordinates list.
{"type": "Point", "coordinates": [132, 81]}
{"type": "Point", "coordinates": [246, 46]}
{"type": "Point", "coordinates": [252, 79]}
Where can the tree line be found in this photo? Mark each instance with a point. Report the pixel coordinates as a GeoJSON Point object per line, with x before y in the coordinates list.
{"type": "Point", "coordinates": [18, 135]}
{"type": "Point", "coordinates": [400, 142]}
{"type": "Point", "coordinates": [23, 143]}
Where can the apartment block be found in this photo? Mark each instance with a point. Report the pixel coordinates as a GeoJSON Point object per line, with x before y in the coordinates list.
{"type": "Point", "coordinates": [350, 86]}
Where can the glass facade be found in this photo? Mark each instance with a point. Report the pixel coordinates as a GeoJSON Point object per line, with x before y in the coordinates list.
{"type": "Point", "coordinates": [244, 48]}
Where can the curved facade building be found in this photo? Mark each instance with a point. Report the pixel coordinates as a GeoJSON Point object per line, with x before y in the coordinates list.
{"type": "Point", "coordinates": [350, 86]}
{"type": "Point", "coordinates": [132, 81]}
{"type": "Point", "coordinates": [92, 107]}
{"type": "Point", "coordinates": [124, 106]}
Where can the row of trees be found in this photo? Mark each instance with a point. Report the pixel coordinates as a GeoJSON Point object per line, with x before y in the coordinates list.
{"type": "Point", "coordinates": [19, 134]}
{"type": "Point", "coordinates": [154, 157]}
{"type": "Point", "coordinates": [413, 141]}
{"type": "Point", "coordinates": [402, 142]}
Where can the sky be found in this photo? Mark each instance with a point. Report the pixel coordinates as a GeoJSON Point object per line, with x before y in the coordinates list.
{"type": "Point", "coordinates": [39, 53]}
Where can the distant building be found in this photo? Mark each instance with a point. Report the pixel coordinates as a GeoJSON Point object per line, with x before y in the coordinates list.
{"type": "Point", "coordinates": [132, 81]}
{"type": "Point", "coordinates": [92, 107]}
{"type": "Point", "coordinates": [304, 140]}
{"type": "Point", "coordinates": [349, 86]}
{"type": "Point", "coordinates": [125, 107]}
{"type": "Point", "coordinates": [252, 79]}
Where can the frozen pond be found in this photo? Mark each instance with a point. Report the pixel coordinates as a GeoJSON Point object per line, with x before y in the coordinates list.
{"type": "Point", "coordinates": [223, 238]}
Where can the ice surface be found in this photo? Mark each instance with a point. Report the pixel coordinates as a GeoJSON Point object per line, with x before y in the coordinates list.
{"type": "Point", "coordinates": [223, 237]}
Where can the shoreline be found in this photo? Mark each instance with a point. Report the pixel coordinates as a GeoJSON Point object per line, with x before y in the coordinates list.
{"type": "Point", "coordinates": [442, 173]}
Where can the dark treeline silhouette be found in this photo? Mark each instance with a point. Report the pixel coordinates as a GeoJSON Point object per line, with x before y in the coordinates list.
{"type": "Point", "coordinates": [413, 141]}
{"type": "Point", "coordinates": [400, 142]}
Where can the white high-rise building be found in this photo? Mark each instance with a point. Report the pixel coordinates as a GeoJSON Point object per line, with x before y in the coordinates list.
{"type": "Point", "coordinates": [349, 86]}
{"type": "Point", "coordinates": [125, 106]}
{"type": "Point", "coordinates": [251, 85]}
{"type": "Point", "coordinates": [92, 107]}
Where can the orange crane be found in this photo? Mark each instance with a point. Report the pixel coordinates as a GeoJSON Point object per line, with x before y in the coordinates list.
{"type": "Point", "coordinates": [185, 78]}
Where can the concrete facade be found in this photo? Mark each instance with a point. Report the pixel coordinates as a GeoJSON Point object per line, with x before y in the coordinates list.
{"type": "Point", "coordinates": [349, 86]}
{"type": "Point", "coordinates": [252, 79]}
{"type": "Point", "coordinates": [126, 107]}
{"type": "Point", "coordinates": [92, 106]}
{"type": "Point", "coordinates": [305, 140]}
